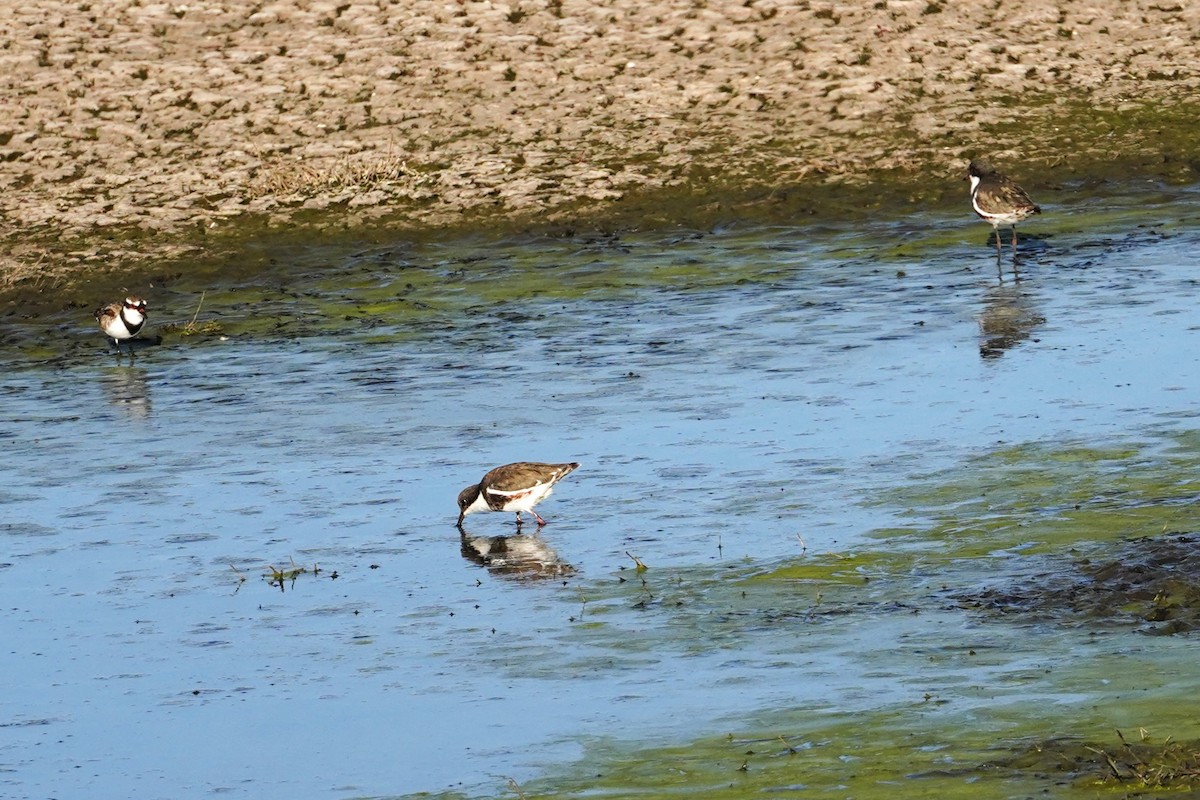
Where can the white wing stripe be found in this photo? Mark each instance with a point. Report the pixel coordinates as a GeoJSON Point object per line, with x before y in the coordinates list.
{"type": "Point", "coordinates": [515, 491]}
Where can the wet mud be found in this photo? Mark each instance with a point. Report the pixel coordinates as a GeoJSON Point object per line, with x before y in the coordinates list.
{"type": "Point", "coordinates": [1152, 583]}
{"type": "Point", "coordinates": [1141, 768]}
{"type": "Point", "coordinates": [172, 132]}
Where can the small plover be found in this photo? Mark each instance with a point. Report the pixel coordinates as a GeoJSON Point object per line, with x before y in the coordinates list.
{"type": "Point", "coordinates": [122, 321]}
{"type": "Point", "coordinates": [513, 487]}
{"type": "Point", "coordinates": [998, 200]}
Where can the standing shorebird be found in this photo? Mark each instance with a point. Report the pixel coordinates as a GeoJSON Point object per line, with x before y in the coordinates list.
{"type": "Point", "coordinates": [122, 321]}
{"type": "Point", "coordinates": [998, 200]}
{"type": "Point", "coordinates": [513, 487]}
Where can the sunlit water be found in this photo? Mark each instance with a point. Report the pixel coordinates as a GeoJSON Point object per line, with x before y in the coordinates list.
{"type": "Point", "coordinates": [737, 398]}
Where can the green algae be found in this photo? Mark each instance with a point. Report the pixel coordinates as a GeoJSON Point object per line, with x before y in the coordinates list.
{"type": "Point", "coordinates": [899, 754]}
{"type": "Point", "coordinates": [400, 273]}
{"type": "Point", "coordinates": [1044, 496]}
{"type": "Point", "coordinates": [303, 283]}
{"type": "Point", "coordinates": [401, 292]}
{"type": "Point", "coordinates": [793, 764]}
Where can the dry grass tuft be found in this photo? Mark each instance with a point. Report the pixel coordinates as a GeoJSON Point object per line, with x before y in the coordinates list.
{"type": "Point", "coordinates": [1137, 765]}
{"type": "Point", "coordinates": [1168, 765]}
{"type": "Point", "coordinates": [192, 328]}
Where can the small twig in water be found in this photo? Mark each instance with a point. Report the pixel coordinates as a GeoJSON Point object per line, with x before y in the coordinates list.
{"type": "Point", "coordinates": [241, 578]}
{"type": "Point", "coordinates": [1112, 765]}
{"type": "Point", "coordinates": [199, 305]}
{"type": "Point", "coordinates": [516, 787]}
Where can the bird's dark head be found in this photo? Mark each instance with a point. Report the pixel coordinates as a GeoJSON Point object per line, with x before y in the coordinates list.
{"type": "Point", "coordinates": [980, 168]}
{"type": "Point", "coordinates": [465, 498]}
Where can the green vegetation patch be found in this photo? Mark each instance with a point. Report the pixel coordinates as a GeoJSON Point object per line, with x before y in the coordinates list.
{"type": "Point", "coordinates": [1045, 496]}
{"type": "Point", "coordinates": [890, 760]}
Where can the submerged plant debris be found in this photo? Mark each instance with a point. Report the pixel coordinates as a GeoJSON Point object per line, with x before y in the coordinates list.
{"type": "Point", "coordinates": [1151, 581]}
{"type": "Point", "coordinates": [1139, 765]}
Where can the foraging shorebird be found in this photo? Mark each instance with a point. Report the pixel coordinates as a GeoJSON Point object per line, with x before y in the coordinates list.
{"type": "Point", "coordinates": [513, 487]}
{"type": "Point", "coordinates": [122, 321]}
{"type": "Point", "coordinates": [998, 200]}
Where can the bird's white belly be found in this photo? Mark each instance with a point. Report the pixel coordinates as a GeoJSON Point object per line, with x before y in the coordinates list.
{"type": "Point", "coordinates": [524, 500]}
{"type": "Point", "coordinates": [117, 329]}
{"type": "Point", "coordinates": [998, 220]}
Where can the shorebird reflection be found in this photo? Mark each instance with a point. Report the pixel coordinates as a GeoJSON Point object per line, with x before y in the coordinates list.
{"type": "Point", "coordinates": [1008, 318]}
{"type": "Point", "coordinates": [127, 388]}
{"type": "Point", "coordinates": [519, 556]}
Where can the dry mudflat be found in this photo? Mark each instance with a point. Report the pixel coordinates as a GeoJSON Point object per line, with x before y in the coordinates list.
{"type": "Point", "coordinates": [137, 131]}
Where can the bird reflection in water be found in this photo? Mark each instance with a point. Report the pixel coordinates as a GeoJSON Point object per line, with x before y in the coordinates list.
{"type": "Point", "coordinates": [519, 556]}
{"type": "Point", "coordinates": [128, 389]}
{"type": "Point", "coordinates": [1008, 318]}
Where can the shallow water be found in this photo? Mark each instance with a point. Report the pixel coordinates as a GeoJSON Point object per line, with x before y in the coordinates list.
{"type": "Point", "coordinates": [802, 432]}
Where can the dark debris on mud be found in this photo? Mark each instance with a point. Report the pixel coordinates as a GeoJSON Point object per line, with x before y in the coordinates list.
{"type": "Point", "coordinates": [1152, 582]}
{"type": "Point", "coordinates": [1140, 767]}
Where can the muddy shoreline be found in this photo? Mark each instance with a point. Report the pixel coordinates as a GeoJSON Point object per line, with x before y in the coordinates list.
{"type": "Point", "coordinates": [144, 133]}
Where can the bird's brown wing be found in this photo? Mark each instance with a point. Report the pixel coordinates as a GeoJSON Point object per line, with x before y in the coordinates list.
{"type": "Point", "coordinates": [1004, 196]}
{"type": "Point", "coordinates": [111, 310]}
{"type": "Point", "coordinates": [515, 478]}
